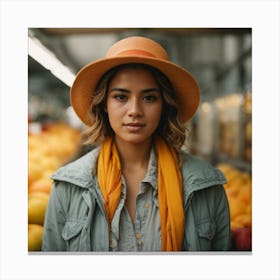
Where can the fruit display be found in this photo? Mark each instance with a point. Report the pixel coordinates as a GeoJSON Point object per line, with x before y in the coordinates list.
{"type": "Point", "coordinates": [223, 128]}
{"type": "Point", "coordinates": [239, 194]}
{"type": "Point", "coordinates": [229, 119]}
{"type": "Point", "coordinates": [35, 233]}
{"type": "Point", "coordinates": [247, 127]}
{"type": "Point", "coordinates": [48, 148]}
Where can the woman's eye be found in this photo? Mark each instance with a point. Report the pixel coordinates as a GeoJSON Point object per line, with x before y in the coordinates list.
{"type": "Point", "coordinates": [150, 98]}
{"type": "Point", "coordinates": [120, 97]}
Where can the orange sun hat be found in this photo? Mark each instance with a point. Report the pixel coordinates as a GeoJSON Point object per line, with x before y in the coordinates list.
{"type": "Point", "coordinates": [135, 49]}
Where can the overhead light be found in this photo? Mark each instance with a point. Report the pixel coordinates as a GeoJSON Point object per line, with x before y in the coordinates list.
{"type": "Point", "coordinates": [47, 59]}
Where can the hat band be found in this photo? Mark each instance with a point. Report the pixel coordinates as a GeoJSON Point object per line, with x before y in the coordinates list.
{"type": "Point", "coordinates": [136, 52]}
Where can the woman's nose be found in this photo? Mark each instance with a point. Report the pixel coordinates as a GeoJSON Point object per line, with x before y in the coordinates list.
{"type": "Point", "coordinates": [135, 108]}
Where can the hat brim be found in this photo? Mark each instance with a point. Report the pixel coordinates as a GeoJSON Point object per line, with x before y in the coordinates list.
{"type": "Point", "coordinates": [185, 86]}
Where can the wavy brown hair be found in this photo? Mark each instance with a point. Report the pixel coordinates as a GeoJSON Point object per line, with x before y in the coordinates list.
{"type": "Point", "coordinates": [170, 127]}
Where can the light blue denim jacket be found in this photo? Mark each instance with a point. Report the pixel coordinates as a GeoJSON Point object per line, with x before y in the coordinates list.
{"type": "Point", "coordinates": [75, 219]}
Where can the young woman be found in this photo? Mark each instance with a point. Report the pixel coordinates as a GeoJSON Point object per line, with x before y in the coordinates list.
{"type": "Point", "coordinates": [137, 190]}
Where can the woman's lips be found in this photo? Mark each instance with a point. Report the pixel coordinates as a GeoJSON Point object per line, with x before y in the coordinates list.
{"type": "Point", "coordinates": [134, 127]}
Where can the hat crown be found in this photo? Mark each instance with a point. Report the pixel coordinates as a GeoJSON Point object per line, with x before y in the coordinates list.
{"type": "Point", "coordinates": [137, 46]}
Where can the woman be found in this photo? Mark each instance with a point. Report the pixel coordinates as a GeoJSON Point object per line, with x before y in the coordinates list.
{"type": "Point", "coordinates": [137, 191]}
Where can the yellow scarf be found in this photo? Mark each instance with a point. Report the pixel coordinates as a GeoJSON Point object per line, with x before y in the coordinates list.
{"type": "Point", "coordinates": [169, 190]}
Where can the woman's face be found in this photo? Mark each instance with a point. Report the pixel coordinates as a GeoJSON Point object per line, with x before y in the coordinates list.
{"type": "Point", "coordinates": [134, 105]}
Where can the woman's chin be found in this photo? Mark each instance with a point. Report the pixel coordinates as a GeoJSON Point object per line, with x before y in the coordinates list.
{"type": "Point", "coordinates": [133, 139]}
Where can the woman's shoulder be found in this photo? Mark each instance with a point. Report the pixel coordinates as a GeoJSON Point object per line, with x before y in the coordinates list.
{"type": "Point", "coordinates": [200, 173]}
{"type": "Point", "coordinates": [79, 171]}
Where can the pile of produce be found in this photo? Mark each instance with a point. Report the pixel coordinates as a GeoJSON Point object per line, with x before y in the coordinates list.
{"type": "Point", "coordinates": [48, 149]}
{"type": "Point", "coordinates": [239, 194]}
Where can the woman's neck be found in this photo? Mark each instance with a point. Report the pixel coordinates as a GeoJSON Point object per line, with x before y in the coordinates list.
{"type": "Point", "coordinates": [133, 156]}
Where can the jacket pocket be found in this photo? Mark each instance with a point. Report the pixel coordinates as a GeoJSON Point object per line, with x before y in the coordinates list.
{"type": "Point", "coordinates": [71, 233]}
{"type": "Point", "coordinates": [206, 232]}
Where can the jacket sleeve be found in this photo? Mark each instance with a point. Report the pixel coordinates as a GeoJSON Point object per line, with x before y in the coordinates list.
{"type": "Point", "coordinates": [221, 240]}
{"type": "Point", "coordinates": [55, 220]}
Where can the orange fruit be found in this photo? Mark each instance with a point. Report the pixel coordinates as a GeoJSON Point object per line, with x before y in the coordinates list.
{"type": "Point", "coordinates": [237, 207]}
{"type": "Point", "coordinates": [41, 185]}
{"type": "Point", "coordinates": [232, 174]}
{"type": "Point", "coordinates": [245, 193]}
{"type": "Point", "coordinates": [244, 219]}
{"type": "Point", "coordinates": [235, 224]}
{"type": "Point", "coordinates": [35, 235]}
{"type": "Point", "coordinates": [37, 204]}
{"type": "Point", "coordinates": [34, 172]}
{"type": "Point", "coordinates": [249, 209]}
{"type": "Point", "coordinates": [224, 167]}
{"type": "Point", "coordinates": [232, 192]}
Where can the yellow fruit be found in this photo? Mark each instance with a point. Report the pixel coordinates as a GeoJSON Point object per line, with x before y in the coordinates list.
{"type": "Point", "coordinates": [239, 194]}
{"type": "Point", "coordinates": [249, 209]}
{"type": "Point", "coordinates": [232, 174]}
{"type": "Point", "coordinates": [245, 193]}
{"type": "Point", "coordinates": [231, 192]}
{"type": "Point", "coordinates": [37, 204]}
{"type": "Point", "coordinates": [244, 219]}
{"type": "Point", "coordinates": [247, 178]}
{"type": "Point", "coordinates": [224, 167]}
{"type": "Point", "coordinates": [41, 195]}
{"type": "Point", "coordinates": [50, 163]}
{"type": "Point", "coordinates": [47, 151]}
{"type": "Point", "coordinates": [34, 172]}
{"type": "Point", "coordinates": [41, 185]}
{"type": "Point", "coordinates": [237, 207]}
{"type": "Point", "coordinates": [35, 234]}
{"type": "Point", "coordinates": [236, 181]}
{"type": "Point", "coordinates": [235, 224]}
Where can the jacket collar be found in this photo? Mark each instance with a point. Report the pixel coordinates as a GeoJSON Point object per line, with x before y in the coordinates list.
{"type": "Point", "coordinates": [197, 174]}
{"type": "Point", "coordinates": [79, 172]}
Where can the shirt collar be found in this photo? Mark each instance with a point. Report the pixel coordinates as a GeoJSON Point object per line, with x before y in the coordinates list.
{"type": "Point", "coordinates": [151, 175]}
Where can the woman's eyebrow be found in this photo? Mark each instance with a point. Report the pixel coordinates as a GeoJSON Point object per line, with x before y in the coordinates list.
{"type": "Point", "coordinates": [120, 90]}
{"type": "Point", "coordinates": [147, 90]}
{"type": "Point", "coordinates": [150, 90]}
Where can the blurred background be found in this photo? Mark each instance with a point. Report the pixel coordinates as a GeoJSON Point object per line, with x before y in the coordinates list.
{"type": "Point", "coordinates": [221, 131]}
